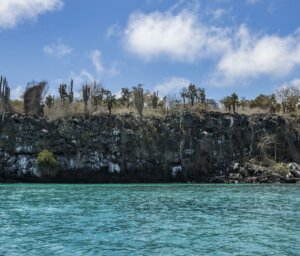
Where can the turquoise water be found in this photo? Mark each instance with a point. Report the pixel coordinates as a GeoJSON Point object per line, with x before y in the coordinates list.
{"type": "Point", "coordinates": [149, 219]}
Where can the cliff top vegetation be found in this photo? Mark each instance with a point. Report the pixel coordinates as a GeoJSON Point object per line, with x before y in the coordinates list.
{"type": "Point", "coordinates": [95, 99]}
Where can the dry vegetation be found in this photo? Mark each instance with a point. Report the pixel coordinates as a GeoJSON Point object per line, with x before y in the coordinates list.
{"type": "Point", "coordinates": [96, 100]}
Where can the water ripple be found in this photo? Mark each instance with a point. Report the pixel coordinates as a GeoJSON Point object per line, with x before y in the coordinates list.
{"type": "Point", "coordinates": [149, 220]}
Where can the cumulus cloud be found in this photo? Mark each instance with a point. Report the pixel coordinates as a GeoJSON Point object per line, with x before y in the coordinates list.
{"type": "Point", "coordinates": [172, 85]}
{"type": "Point", "coordinates": [57, 49]}
{"type": "Point", "coordinates": [13, 12]}
{"type": "Point", "coordinates": [251, 56]}
{"type": "Point", "coordinates": [239, 54]}
{"type": "Point", "coordinates": [176, 36]}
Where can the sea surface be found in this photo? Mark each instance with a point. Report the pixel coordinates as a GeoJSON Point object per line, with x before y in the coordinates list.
{"type": "Point", "coordinates": [204, 219]}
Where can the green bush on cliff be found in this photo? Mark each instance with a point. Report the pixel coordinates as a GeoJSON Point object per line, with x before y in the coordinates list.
{"type": "Point", "coordinates": [281, 169]}
{"type": "Point", "coordinates": [47, 164]}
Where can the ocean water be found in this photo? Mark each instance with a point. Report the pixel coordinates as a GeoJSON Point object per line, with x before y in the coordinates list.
{"type": "Point", "coordinates": [149, 219]}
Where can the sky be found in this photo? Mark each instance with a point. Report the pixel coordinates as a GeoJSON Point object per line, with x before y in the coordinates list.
{"type": "Point", "coordinates": [225, 46]}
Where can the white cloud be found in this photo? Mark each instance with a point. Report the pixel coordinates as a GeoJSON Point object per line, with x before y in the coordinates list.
{"type": "Point", "coordinates": [172, 86]}
{"type": "Point", "coordinates": [294, 83]}
{"type": "Point", "coordinates": [17, 92]}
{"type": "Point", "coordinates": [58, 49]}
{"type": "Point", "coordinates": [95, 56]}
{"type": "Point", "coordinates": [96, 59]}
{"type": "Point", "coordinates": [176, 36]}
{"type": "Point", "coordinates": [239, 54]}
{"type": "Point", "coordinates": [13, 12]}
{"type": "Point", "coordinates": [251, 56]}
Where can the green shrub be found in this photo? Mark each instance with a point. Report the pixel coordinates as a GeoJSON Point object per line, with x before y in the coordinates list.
{"type": "Point", "coordinates": [282, 169]}
{"type": "Point", "coordinates": [47, 164]}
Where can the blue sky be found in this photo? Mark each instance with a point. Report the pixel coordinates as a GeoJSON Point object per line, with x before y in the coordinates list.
{"type": "Point", "coordinates": [225, 46]}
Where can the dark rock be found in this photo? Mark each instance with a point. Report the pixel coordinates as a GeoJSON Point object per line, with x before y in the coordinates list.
{"type": "Point", "coordinates": [295, 173]}
{"type": "Point", "coordinates": [196, 147]}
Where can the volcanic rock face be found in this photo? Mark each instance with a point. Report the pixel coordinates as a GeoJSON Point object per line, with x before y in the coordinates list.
{"type": "Point", "coordinates": [179, 147]}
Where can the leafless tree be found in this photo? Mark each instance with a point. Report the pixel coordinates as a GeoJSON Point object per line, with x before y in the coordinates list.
{"type": "Point", "coordinates": [289, 97]}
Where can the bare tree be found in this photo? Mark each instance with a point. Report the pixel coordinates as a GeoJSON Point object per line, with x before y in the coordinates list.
{"type": "Point", "coordinates": [97, 94]}
{"type": "Point", "coordinates": [192, 93]}
{"type": "Point", "coordinates": [289, 97]}
{"type": "Point", "coordinates": [125, 96]}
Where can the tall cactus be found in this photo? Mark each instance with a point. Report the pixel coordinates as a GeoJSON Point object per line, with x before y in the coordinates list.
{"type": "Point", "coordinates": [110, 101]}
{"type": "Point", "coordinates": [4, 95]}
{"type": "Point", "coordinates": [50, 101]}
{"type": "Point", "coordinates": [63, 93]}
{"type": "Point", "coordinates": [86, 94]}
{"type": "Point", "coordinates": [71, 93]}
{"type": "Point", "coordinates": [155, 99]}
{"type": "Point", "coordinates": [138, 93]}
{"type": "Point", "coordinates": [66, 93]}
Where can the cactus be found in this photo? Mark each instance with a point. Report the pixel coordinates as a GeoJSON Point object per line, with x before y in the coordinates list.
{"type": "Point", "coordinates": [138, 93]}
{"type": "Point", "coordinates": [110, 101]}
{"type": "Point", "coordinates": [86, 94]}
{"type": "Point", "coordinates": [71, 93]}
{"type": "Point", "coordinates": [202, 97]}
{"type": "Point", "coordinates": [63, 93]}
{"type": "Point", "coordinates": [155, 100]}
{"type": "Point", "coordinates": [49, 101]}
{"type": "Point", "coordinates": [4, 95]}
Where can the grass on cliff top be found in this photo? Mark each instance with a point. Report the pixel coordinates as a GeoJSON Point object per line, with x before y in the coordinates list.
{"type": "Point", "coordinates": [77, 108]}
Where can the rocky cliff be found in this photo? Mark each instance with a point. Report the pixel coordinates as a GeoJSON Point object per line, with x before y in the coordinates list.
{"type": "Point", "coordinates": [178, 147]}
